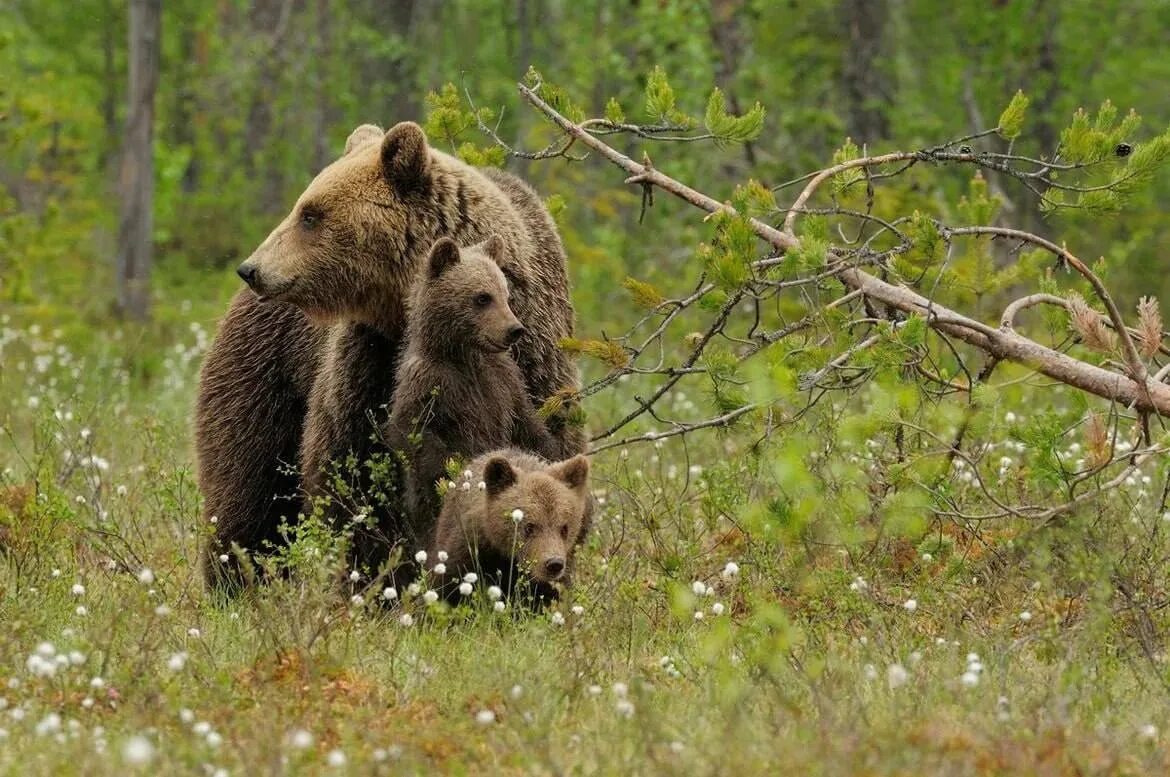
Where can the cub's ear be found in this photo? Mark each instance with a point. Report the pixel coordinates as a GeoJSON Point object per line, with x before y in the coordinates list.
{"type": "Point", "coordinates": [494, 247]}
{"type": "Point", "coordinates": [498, 475]}
{"type": "Point", "coordinates": [444, 256]}
{"type": "Point", "coordinates": [574, 473]}
{"type": "Point", "coordinates": [364, 134]}
{"type": "Point", "coordinates": [404, 157]}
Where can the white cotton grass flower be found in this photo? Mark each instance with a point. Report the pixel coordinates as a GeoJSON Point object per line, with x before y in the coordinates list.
{"type": "Point", "coordinates": [177, 661]}
{"type": "Point", "coordinates": [620, 689]}
{"type": "Point", "coordinates": [577, 610]}
{"type": "Point", "coordinates": [389, 593]}
{"type": "Point", "coordinates": [357, 600]}
{"type": "Point", "coordinates": [499, 606]}
{"type": "Point", "coordinates": [465, 589]}
{"type": "Point", "coordinates": [730, 571]}
{"type": "Point", "coordinates": [194, 633]}
{"type": "Point", "coordinates": [717, 608]}
{"type": "Point", "coordinates": [471, 577]}
{"type": "Point", "coordinates": [440, 569]}
{"type": "Point", "coordinates": [430, 597]}
{"type": "Point", "coordinates": [355, 576]}
{"type": "Point", "coordinates": [699, 588]}
{"type": "Point", "coordinates": [557, 618]}
{"type": "Point", "coordinates": [494, 593]}
{"type": "Point", "coordinates": [910, 605]}
{"type": "Point", "coordinates": [517, 515]}
{"type": "Point", "coordinates": [485, 717]}
{"type": "Point", "coordinates": [137, 751]}
{"type": "Point", "coordinates": [223, 558]}
{"type": "Point", "coordinates": [146, 577]}
{"type": "Point", "coordinates": [1025, 616]}
{"type": "Point", "coordinates": [896, 676]}
{"type": "Point", "coordinates": [336, 759]}
{"type": "Point", "coordinates": [1148, 732]}
{"type": "Point", "coordinates": [420, 557]}
{"type": "Point", "coordinates": [624, 708]}
{"type": "Point", "coordinates": [300, 739]}
{"type": "Point", "coordinates": [78, 589]}
{"type": "Point", "coordinates": [406, 619]}
{"type": "Point", "coordinates": [969, 679]}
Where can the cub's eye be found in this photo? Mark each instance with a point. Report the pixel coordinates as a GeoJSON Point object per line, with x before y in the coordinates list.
{"type": "Point", "coordinates": [483, 299]}
{"type": "Point", "coordinates": [529, 529]}
{"type": "Point", "coordinates": [310, 218]}
{"type": "Point", "coordinates": [565, 532]}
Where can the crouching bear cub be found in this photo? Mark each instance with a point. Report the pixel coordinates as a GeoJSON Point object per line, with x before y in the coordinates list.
{"type": "Point", "coordinates": [515, 515]}
{"type": "Point", "coordinates": [459, 392]}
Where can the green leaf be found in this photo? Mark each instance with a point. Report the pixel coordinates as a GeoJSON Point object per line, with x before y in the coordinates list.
{"type": "Point", "coordinates": [614, 112]}
{"type": "Point", "coordinates": [732, 129]}
{"type": "Point", "coordinates": [659, 94]}
{"type": "Point", "coordinates": [1011, 121]}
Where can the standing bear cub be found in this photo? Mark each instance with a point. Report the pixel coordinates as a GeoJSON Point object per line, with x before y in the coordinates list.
{"type": "Point", "coordinates": [458, 391]}
{"type": "Point", "coordinates": [516, 516]}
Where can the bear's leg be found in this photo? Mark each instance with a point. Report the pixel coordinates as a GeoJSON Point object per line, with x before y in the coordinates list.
{"type": "Point", "coordinates": [248, 419]}
{"type": "Point", "coordinates": [347, 406]}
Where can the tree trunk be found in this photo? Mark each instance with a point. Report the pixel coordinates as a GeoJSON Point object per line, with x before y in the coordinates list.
{"type": "Point", "coordinates": [865, 92]}
{"type": "Point", "coordinates": [137, 179]}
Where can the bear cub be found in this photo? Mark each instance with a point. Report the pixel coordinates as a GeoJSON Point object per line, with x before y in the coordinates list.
{"type": "Point", "coordinates": [458, 391]}
{"type": "Point", "coordinates": [515, 515]}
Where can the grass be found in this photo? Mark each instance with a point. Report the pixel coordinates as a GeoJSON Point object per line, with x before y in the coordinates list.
{"type": "Point", "coordinates": [807, 657]}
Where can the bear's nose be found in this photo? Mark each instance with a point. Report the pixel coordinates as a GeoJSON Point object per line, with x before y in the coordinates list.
{"type": "Point", "coordinates": [514, 334]}
{"type": "Point", "coordinates": [554, 567]}
{"type": "Point", "coordinates": [247, 272]}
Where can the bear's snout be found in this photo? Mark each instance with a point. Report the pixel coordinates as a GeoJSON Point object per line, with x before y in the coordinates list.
{"type": "Point", "coordinates": [554, 568]}
{"type": "Point", "coordinates": [514, 333]}
{"type": "Point", "coordinates": [248, 273]}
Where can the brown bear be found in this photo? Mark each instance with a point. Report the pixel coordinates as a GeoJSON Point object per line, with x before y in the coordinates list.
{"type": "Point", "coordinates": [306, 358]}
{"type": "Point", "coordinates": [458, 392]}
{"type": "Point", "coordinates": [514, 519]}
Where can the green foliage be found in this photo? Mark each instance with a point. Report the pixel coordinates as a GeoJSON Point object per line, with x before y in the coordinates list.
{"type": "Point", "coordinates": [643, 294]}
{"type": "Point", "coordinates": [660, 105]}
{"type": "Point", "coordinates": [732, 129]}
{"type": "Point", "coordinates": [614, 112]}
{"type": "Point", "coordinates": [605, 351]}
{"type": "Point", "coordinates": [1011, 121]}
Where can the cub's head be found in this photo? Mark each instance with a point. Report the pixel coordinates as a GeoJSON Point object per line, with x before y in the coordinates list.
{"type": "Point", "coordinates": [351, 244]}
{"type": "Point", "coordinates": [460, 300]}
{"type": "Point", "coordinates": [539, 517]}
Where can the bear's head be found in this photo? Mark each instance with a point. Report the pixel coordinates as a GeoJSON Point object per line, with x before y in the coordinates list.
{"type": "Point", "coordinates": [460, 301]}
{"type": "Point", "coordinates": [537, 517]}
{"type": "Point", "coordinates": [350, 246]}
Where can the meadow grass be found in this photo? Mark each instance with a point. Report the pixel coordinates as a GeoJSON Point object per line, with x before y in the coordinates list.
{"type": "Point", "coordinates": [711, 631]}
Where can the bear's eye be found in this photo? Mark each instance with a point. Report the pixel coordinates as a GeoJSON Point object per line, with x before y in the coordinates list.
{"type": "Point", "coordinates": [483, 299]}
{"type": "Point", "coordinates": [565, 532]}
{"type": "Point", "coordinates": [310, 218]}
{"type": "Point", "coordinates": [529, 529]}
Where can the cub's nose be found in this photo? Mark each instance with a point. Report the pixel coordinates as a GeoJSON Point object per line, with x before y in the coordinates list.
{"type": "Point", "coordinates": [514, 334]}
{"type": "Point", "coordinates": [554, 567]}
{"type": "Point", "coordinates": [247, 272]}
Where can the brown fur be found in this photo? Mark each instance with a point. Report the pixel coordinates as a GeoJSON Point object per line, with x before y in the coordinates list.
{"type": "Point", "coordinates": [275, 391]}
{"type": "Point", "coordinates": [478, 532]}
{"type": "Point", "coordinates": [458, 392]}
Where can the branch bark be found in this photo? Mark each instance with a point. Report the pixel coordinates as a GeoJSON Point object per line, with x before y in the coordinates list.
{"type": "Point", "coordinates": [1000, 343]}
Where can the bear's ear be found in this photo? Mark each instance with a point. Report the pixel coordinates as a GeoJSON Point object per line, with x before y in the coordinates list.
{"type": "Point", "coordinates": [574, 473]}
{"type": "Point", "coordinates": [495, 249]}
{"type": "Point", "coordinates": [404, 157]}
{"type": "Point", "coordinates": [444, 256]}
{"type": "Point", "coordinates": [498, 475]}
{"type": "Point", "coordinates": [364, 134]}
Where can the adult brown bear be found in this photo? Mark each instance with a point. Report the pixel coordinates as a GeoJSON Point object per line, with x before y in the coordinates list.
{"type": "Point", "coordinates": [305, 359]}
